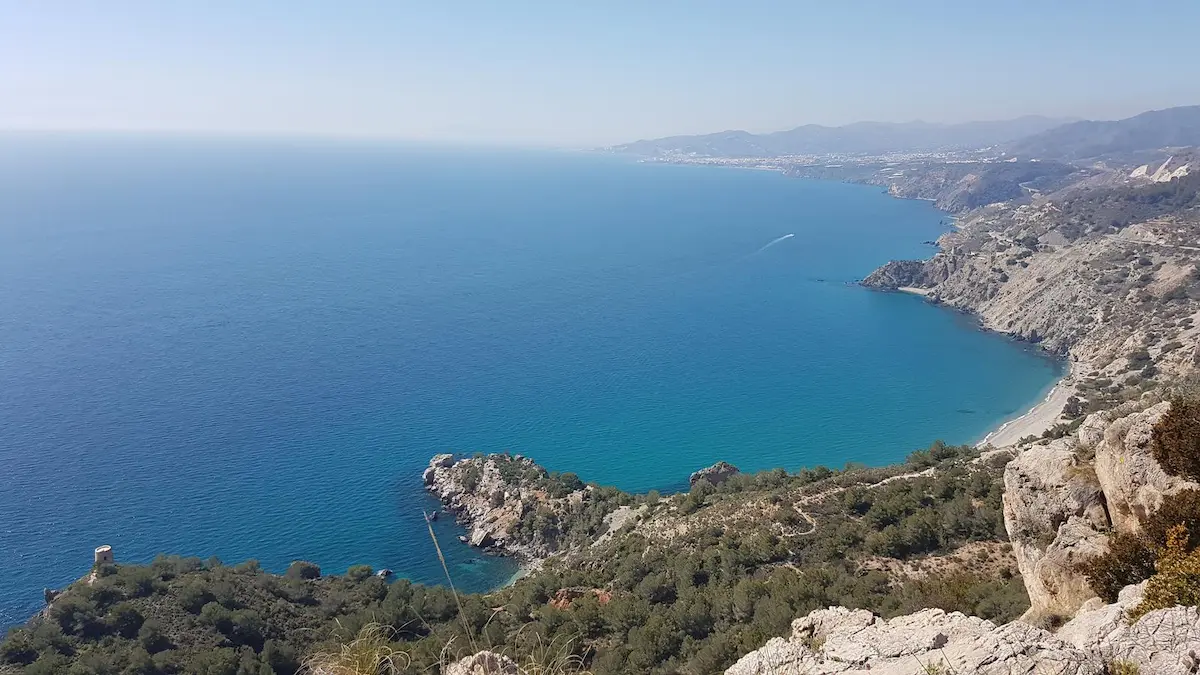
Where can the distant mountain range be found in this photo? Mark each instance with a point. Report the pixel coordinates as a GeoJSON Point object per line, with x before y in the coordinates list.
{"type": "Point", "coordinates": [1172, 127]}
{"type": "Point", "coordinates": [1030, 136]}
{"type": "Point", "coordinates": [858, 138]}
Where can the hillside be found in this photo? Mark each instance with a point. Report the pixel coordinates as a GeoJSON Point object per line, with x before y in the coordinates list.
{"type": "Point", "coordinates": [683, 583]}
{"type": "Point", "coordinates": [1153, 130]}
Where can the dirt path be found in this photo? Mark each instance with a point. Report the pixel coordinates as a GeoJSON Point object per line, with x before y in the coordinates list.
{"type": "Point", "coordinates": [822, 496]}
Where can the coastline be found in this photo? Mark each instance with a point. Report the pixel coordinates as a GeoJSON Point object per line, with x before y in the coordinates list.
{"type": "Point", "coordinates": [1042, 416]}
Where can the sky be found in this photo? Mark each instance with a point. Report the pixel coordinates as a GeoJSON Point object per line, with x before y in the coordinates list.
{"type": "Point", "coordinates": [580, 74]}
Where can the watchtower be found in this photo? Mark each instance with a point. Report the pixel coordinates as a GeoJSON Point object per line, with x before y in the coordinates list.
{"type": "Point", "coordinates": [104, 555]}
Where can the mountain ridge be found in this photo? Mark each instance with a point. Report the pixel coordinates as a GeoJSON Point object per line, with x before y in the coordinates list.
{"type": "Point", "coordinates": [857, 137]}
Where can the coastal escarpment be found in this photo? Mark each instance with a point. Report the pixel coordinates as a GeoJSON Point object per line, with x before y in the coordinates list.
{"type": "Point", "coordinates": [513, 506]}
{"type": "Point", "coordinates": [1105, 274]}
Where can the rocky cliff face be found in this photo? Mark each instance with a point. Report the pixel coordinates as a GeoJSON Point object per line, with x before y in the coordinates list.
{"type": "Point", "coordinates": [1081, 273]}
{"type": "Point", "coordinates": [1062, 499]}
{"type": "Point", "coordinates": [509, 504]}
{"type": "Point", "coordinates": [1055, 516]}
{"type": "Point", "coordinates": [856, 642]}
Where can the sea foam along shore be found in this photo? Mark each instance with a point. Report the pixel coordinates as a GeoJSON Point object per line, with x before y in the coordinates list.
{"type": "Point", "coordinates": [1038, 419]}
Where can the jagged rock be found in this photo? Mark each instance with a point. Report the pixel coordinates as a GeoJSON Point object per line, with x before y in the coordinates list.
{"type": "Point", "coordinates": [484, 663]}
{"type": "Point", "coordinates": [897, 274]}
{"type": "Point", "coordinates": [716, 474]}
{"type": "Point", "coordinates": [1133, 482]}
{"type": "Point", "coordinates": [491, 494]}
{"type": "Point", "coordinates": [1163, 642]}
{"type": "Point", "coordinates": [1055, 517]}
{"type": "Point", "coordinates": [854, 642]}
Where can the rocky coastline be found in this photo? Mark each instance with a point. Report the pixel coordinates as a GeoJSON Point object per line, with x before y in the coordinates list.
{"type": "Point", "coordinates": [1120, 304]}
{"type": "Point", "coordinates": [512, 506]}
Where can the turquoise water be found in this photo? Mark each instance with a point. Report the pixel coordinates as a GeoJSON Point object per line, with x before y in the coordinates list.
{"type": "Point", "coordinates": [251, 349]}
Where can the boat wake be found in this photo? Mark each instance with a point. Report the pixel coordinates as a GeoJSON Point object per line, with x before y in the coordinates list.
{"type": "Point", "coordinates": [772, 243]}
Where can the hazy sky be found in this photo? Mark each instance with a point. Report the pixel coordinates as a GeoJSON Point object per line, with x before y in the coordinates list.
{"type": "Point", "coordinates": [569, 72]}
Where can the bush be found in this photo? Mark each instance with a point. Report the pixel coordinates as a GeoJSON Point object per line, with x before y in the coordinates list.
{"type": "Point", "coordinates": [152, 638]}
{"type": "Point", "coordinates": [1129, 560]}
{"type": "Point", "coordinates": [1176, 438]}
{"type": "Point", "coordinates": [359, 572]}
{"type": "Point", "coordinates": [1181, 508]}
{"type": "Point", "coordinates": [1178, 579]}
{"type": "Point", "coordinates": [302, 569]}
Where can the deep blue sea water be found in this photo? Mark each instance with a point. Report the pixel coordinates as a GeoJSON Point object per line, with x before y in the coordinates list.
{"type": "Point", "coordinates": [251, 348]}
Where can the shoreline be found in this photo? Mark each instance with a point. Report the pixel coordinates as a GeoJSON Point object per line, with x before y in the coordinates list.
{"type": "Point", "coordinates": [1042, 416]}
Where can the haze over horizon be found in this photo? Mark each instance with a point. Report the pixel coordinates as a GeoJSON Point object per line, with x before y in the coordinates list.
{"type": "Point", "coordinates": [549, 74]}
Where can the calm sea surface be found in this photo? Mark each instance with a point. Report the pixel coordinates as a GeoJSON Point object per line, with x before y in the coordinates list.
{"type": "Point", "coordinates": [251, 349]}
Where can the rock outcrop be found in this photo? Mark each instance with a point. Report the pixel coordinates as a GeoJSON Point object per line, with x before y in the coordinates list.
{"type": "Point", "coordinates": [494, 495]}
{"type": "Point", "coordinates": [1134, 484]}
{"type": "Point", "coordinates": [898, 274]}
{"type": "Point", "coordinates": [1062, 499]}
{"type": "Point", "coordinates": [856, 642]}
{"type": "Point", "coordinates": [1055, 517]}
{"type": "Point", "coordinates": [716, 474]}
{"type": "Point", "coordinates": [484, 663]}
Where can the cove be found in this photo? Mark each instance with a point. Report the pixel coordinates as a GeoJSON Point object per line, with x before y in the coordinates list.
{"type": "Point", "coordinates": [250, 349]}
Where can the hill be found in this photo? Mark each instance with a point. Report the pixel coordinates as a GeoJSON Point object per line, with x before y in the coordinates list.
{"type": "Point", "coordinates": [1173, 127]}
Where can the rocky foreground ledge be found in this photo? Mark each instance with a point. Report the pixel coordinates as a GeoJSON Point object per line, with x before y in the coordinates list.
{"type": "Point", "coordinates": [1098, 641]}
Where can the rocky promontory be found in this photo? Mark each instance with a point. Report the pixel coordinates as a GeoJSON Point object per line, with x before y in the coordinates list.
{"type": "Point", "coordinates": [716, 474]}
{"type": "Point", "coordinates": [511, 505]}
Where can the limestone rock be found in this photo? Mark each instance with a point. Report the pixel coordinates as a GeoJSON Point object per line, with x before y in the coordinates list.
{"type": "Point", "coordinates": [1134, 483]}
{"type": "Point", "coordinates": [1163, 642]}
{"type": "Point", "coordinates": [491, 494]}
{"type": "Point", "coordinates": [484, 663]}
{"type": "Point", "coordinates": [897, 274]}
{"type": "Point", "coordinates": [716, 474]}
{"type": "Point", "coordinates": [855, 642]}
{"type": "Point", "coordinates": [1055, 517]}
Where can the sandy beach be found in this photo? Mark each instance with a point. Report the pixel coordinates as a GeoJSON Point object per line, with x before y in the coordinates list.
{"type": "Point", "coordinates": [1039, 418]}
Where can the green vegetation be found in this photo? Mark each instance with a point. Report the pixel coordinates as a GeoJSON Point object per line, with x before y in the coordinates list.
{"type": "Point", "coordinates": [1177, 575]}
{"type": "Point", "coordinates": [1133, 558]}
{"type": "Point", "coordinates": [641, 602]}
{"type": "Point", "coordinates": [1167, 550]}
{"type": "Point", "coordinates": [1176, 439]}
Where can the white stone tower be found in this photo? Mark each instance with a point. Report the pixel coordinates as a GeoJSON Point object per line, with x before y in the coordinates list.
{"type": "Point", "coordinates": [104, 555]}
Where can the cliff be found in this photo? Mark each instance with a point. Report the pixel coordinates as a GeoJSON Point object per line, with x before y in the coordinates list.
{"type": "Point", "coordinates": [513, 506]}
{"type": "Point", "coordinates": [1102, 271]}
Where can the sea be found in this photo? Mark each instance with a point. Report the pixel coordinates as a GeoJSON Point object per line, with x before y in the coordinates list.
{"type": "Point", "coordinates": [250, 348]}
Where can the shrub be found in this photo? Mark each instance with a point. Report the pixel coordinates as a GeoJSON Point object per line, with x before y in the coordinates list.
{"type": "Point", "coordinates": [359, 572]}
{"type": "Point", "coordinates": [152, 638]}
{"type": "Point", "coordinates": [1181, 508]}
{"type": "Point", "coordinates": [302, 569]}
{"type": "Point", "coordinates": [1178, 578]}
{"type": "Point", "coordinates": [1129, 560]}
{"type": "Point", "coordinates": [1176, 438]}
